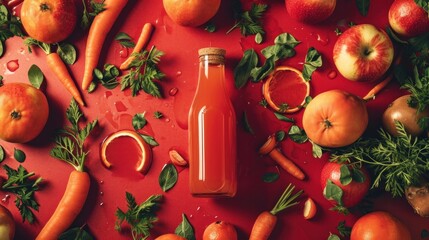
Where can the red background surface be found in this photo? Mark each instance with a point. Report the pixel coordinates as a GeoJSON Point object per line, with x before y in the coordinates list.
{"type": "Point", "coordinates": [114, 110]}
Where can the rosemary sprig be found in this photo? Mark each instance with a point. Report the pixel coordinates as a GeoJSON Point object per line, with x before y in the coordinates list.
{"type": "Point", "coordinates": [249, 21]}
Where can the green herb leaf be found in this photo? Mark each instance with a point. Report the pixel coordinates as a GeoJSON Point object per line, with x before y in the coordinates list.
{"type": "Point", "coordinates": [144, 73]}
{"type": "Point", "coordinates": [259, 73]}
{"type": "Point", "coordinates": [424, 234]}
{"type": "Point", "coordinates": [21, 183]}
{"type": "Point", "coordinates": [270, 177]}
{"type": "Point", "coordinates": [140, 217]}
{"type": "Point", "coordinates": [67, 53]}
{"type": "Point", "coordinates": [280, 135]}
{"type": "Point", "coordinates": [358, 175]}
{"type": "Point", "coordinates": [344, 230]}
{"type": "Point", "coordinates": [1, 48]}
{"type": "Point", "coordinates": [2, 154]}
{"type": "Point", "coordinates": [19, 155]}
{"type": "Point", "coordinates": [246, 124]}
{"type": "Point", "coordinates": [317, 150]}
{"type": "Point", "coordinates": [345, 175]}
{"type": "Point", "coordinates": [157, 114]}
{"type": "Point", "coordinates": [210, 27]}
{"type": "Point", "coordinates": [423, 4]}
{"type": "Point", "coordinates": [259, 38]}
{"type": "Point", "coordinates": [313, 60]}
{"type": "Point", "coordinates": [77, 233]}
{"type": "Point", "coordinates": [242, 71]}
{"type": "Point", "coordinates": [139, 121]}
{"type": "Point", "coordinates": [249, 21]}
{"type": "Point", "coordinates": [35, 76]}
{"type": "Point", "coordinates": [297, 134]}
{"type": "Point", "coordinates": [333, 192]}
{"type": "Point", "coordinates": [168, 177]}
{"type": "Point", "coordinates": [363, 6]}
{"type": "Point", "coordinates": [124, 40]}
{"type": "Point", "coordinates": [149, 140]}
{"type": "Point", "coordinates": [333, 237]}
{"type": "Point", "coordinates": [286, 39]}
{"type": "Point", "coordinates": [185, 229]}
{"type": "Point", "coordinates": [87, 17]}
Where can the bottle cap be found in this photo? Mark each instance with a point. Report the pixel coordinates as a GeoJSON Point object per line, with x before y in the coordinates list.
{"type": "Point", "coordinates": [212, 55]}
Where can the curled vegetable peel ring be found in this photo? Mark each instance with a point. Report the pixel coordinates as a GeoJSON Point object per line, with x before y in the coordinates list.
{"type": "Point", "coordinates": [146, 153]}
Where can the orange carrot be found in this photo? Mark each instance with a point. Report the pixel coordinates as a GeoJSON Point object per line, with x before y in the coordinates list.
{"type": "Point", "coordinates": [266, 221]}
{"type": "Point", "coordinates": [98, 31]}
{"type": "Point", "coordinates": [377, 88]}
{"type": "Point", "coordinates": [69, 207]}
{"type": "Point", "coordinates": [270, 148]}
{"type": "Point", "coordinates": [60, 70]}
{"type": "Point", "coordinates": [141, 44]}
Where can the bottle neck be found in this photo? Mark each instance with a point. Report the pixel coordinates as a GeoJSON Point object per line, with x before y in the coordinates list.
{"type": "Point", "coordinates": [211, 75]}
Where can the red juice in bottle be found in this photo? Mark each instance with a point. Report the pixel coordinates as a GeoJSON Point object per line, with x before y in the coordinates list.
{"type": "Point", "coordinates": [212, 131]}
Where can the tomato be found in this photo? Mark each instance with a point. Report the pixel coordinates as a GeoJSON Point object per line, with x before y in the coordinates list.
{"type": "Point", "coordinates": [7, 224]}
{"type": "Point", "coordinates": [400, 110]}
{"type": "Point", "coordinates": [335, 118]}
{"type": "Point", "coordinates": [24, 112]}
{"type": "Point", "coordinates": [379, 225]}
{"type": "Point", "coordinates": [220, 230]}
{"type": "Point", "coordinates": [49, 21]}
{"type": "Point", "coordinates": [354, 191]}
{"type": "Point", "coordinates": [191, 13]}
{"type": "Point", "coordinates": [170, 236]}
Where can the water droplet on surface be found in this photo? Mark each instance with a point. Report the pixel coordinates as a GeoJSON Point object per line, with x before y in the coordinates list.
{"type": "Point", "coordinates": [178, 73]}
{"type": "Point", "coordinates": [167, 119]}
{"type": "Point", "coordinates": [198, 208]}
{"type": "Point", "coordinates": [101, 204]}
{"type": "Point", "coordinates": [12, 65]}
{"type": "Point", "coordinates": [101, 193]}
{"type": "Point", "coordinates": [101, 181]}
{"type": "Point", "coordinates": [332, 74]}
{"type": "Point", "coordinates": [108, 94]}
{"type": "Point", "coordinates": [6, 198]}
{"type": "Point", "coordinates": [173, 91]}
{"type": "Point", "coordinates": [123, 53]}
{"type": "Point", "coordinates": [323, 40]}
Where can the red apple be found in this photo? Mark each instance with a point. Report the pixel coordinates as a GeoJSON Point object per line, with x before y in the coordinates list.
{"type": "Point", "coordinates": [7, 224]}
{"type": "Point", "coordinates": [363, 53]}
{"type": "Point", "coordinates": [408, 19]}
{"type": "Point", "coordinates": [310, 11]}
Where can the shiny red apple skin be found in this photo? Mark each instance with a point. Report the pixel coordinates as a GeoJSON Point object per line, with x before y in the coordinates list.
{"type": "Point", "coordinates": [310, 11]}
{"type": "Point", "coordinates": [408, 19]}
{"type": "Point", "coordinates": [363, 53]}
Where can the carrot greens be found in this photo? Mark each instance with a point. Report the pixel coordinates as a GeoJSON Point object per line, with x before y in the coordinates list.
{"type": "Point", "coordinates": [70, 141]}
{"type": "Point", "coordinates": [140, 217]}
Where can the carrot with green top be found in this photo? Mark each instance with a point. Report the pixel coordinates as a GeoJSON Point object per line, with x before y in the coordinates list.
{"type": "Point", "coordinates": [266, 220]}
{"type": "Point", "coordinates": [70, 149]}
{"type": "Point", "coordinates": [140, 45]}
{"type": "Point", "coordinates": [59, 68]}
{"type": "Point", "coordinates": [98, 31]}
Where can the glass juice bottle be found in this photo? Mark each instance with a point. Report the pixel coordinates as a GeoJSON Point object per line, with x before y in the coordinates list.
{"type": "Point", "coordinates": [212, 131]}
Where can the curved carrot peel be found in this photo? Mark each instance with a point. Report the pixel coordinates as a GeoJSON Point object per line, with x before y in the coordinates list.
{"type": "Point", "coordinates": [68, 208]}
{"type": "Point", "coordinates": [141, 44]}
{"type": "Point", "coordinates": [60, 70]}
{"type": "Point", "coordinates": [98, 31]}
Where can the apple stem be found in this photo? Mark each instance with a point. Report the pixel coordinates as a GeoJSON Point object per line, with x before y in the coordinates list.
{"type": "Point", "coordinates": [44, 7]}
{"type": "Point", "coordinates": [327, 123]}
{"type": "Point", "coordinates": [15, 114]}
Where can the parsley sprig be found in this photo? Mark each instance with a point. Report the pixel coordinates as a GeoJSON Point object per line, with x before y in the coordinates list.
{"type": "Point", "coordinates": [139, 216]}
{"type": "Point", "coordinates": [88, 15]}
{"type": "Point", "coordinates": [249, 21]}
{"type": "Point", "coordinates": [144, 72]}
{"type": "Point", "coordinates": [70, 140]}
{"type": "Point", "coordinates": [23, 185]}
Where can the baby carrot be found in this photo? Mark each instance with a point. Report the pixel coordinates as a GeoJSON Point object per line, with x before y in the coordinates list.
{"type": "Point", "coordinates": [377, 88]}
{"type": "Point", "coordinates": [141, 44]}
{"type": "Point", "coordinates": [266, 220]}
{"type": "Point", "coordinates": [60, 70]}
{"type": "Point", "coordinates": [98, 31]}
{"type": "Point", "coordinates": [69, 207]}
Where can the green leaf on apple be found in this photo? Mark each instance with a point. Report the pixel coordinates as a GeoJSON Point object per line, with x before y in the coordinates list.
{"type": "Point", "coordinates": [345, 175]}
{"type": "Point", "coordinates": [423, 4]}
{"type": "Point", "coordinates": [313, 60]}
{"type": "Point", "coordinates": [363, 6]}
{"type": "Point", "coordinates": [333, 192]}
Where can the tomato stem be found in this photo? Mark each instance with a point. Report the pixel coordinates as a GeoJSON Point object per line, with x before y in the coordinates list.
{"type": "Point", "coordinates": [327, 123]}
{"type": "Point", "coordinates": [44, 7]}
